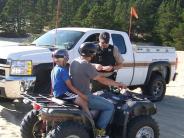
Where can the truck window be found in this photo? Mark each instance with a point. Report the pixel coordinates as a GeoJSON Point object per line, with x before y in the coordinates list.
{"type": "Point", "coordinates": [118, 41]}
{"type": "Point", "coordinates": [93, 38]}
{"type": "Point", "coordinates": [60, 39]}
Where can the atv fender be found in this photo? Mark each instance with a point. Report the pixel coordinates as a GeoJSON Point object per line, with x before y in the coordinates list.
{"type": "Point", "coordinates": [59, 114]}
{"type": "Point", "coordinates": [138, 108]}
{"type": "Point", "coordinates": [67, 114]}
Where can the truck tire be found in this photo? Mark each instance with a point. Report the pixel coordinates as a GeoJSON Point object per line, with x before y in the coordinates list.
{"type": "Point", "coordinates": [28, 123]}
{"type": "Point", "coordinates": [68, 129]}
{"type": "Point", "coordinates": [156, 88]}
{"type": "Point", "coordinates": [143, 127]}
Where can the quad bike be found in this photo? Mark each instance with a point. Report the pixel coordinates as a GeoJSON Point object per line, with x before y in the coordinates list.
{"type": "Point", "coordinates": [53, 118]}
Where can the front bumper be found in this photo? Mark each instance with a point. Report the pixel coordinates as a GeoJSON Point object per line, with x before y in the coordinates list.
{"type": "Point", "coordinates": [12, 87]}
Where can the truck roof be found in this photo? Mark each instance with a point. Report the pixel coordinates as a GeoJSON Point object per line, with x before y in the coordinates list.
{"type": "Point", "coordinates": [81, 29]}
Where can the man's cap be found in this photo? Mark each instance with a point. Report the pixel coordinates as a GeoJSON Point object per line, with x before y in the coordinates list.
{"type": "Point", "coordinates": [60, 53]}
{"type": "Point", "coordinates": [105, 36]}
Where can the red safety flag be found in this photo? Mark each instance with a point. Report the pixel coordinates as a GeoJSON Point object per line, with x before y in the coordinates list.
{"type": "Point", "coordinates": [133, 13]}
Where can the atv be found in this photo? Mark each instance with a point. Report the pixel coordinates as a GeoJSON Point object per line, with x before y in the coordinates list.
{"type": "Point", "coordinates": [54, 118]}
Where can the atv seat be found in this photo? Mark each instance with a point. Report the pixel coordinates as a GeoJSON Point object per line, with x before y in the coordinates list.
{"type": "Point", "coordinates": [61, 101]}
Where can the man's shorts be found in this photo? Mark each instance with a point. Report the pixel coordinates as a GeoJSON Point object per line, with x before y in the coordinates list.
{"type": "Point", "coordinates": [68, 96]}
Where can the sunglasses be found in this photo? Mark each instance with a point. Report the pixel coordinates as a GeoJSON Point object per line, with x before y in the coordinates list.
{"type": "Point", "coordinates": [62, 57]}
{"type": "Point", "coordinates": [103, 43]}
{"type": "Point", "coordinates": [58, 56]}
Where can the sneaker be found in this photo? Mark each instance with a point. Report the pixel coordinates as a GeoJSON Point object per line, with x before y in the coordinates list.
{"type": "Point", "coordinates": [101, 133]}
{"type": "Point", "coordinates": [105, 136]}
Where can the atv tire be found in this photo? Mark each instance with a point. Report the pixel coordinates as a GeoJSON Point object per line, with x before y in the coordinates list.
{"type": "Point", "coordinates": [28, 123]}
{"type": "Point", "coordinates": [143, 127]}
{"type": "Point", "coordinates": [68, 129]}
{"type": "Point", "coordinates": [156, 88]}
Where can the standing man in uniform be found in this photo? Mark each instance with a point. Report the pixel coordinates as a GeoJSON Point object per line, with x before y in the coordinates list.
{"type": "Point", "coordinates": [82, 72]}
{"type": "Point", "coordinates": [107, 60]}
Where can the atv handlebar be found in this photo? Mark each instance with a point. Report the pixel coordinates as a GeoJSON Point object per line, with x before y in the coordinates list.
{"type": "Point", "coordinates": [118, 89]}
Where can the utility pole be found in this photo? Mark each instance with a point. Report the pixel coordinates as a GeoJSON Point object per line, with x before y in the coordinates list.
{"type": "Point", "coordinates": [57, 20]}
{"type": "Point", "coordinates": [58, 13]}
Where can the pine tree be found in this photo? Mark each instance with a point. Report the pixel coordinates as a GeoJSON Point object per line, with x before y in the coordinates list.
{"type": "Point", "coordinates": [167, 20]}
{"type": "Point", "coordinates": [177, 32]}
{"type": "Point", "coordinates": [81, 14]}
{"type": "Point", "coordinates": [121, 15]}
{"type": "Point", "coordinates": [13, 17]}
{"type": "Point", "coordinates": [2, 4]}
{"type": "Point", "coordinates": [51, 14]}
{"type": "Point", "coordinates": [178, 39]}
{"type": "Point", "coordinates": [37, 16]}
{"type": "Point", "coordinates": [147, 19]}
{"type": "Point", "coordinates": [159, 20]}
{"type": "Point", "coordinates": [70, 11]}
{"type": "Point", "coordinates": [100, 16]}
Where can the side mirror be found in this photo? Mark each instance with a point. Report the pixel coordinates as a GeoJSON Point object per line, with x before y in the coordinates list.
{"type": "Point", "coordinates": [68, 45]}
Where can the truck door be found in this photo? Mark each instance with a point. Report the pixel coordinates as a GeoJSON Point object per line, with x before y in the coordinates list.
{"type": "Point", "coordinates": [125, 74]}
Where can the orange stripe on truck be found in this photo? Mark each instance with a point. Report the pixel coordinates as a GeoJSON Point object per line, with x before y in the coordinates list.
{"type": "Point", "coordinates": [142, 64]}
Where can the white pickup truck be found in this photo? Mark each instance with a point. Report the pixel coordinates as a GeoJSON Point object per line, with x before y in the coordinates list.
{"type": "Point", "coordinates": [27, 68]}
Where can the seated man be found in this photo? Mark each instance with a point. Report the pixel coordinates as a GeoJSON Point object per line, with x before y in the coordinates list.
{"type": "Point", "coordinates": [82, 72]}
{"type": "Point", "coordinates": [61, 83]}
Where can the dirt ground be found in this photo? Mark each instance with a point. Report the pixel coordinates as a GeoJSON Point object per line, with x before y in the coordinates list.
{"type": "Point", "coordinates": [170, 116]}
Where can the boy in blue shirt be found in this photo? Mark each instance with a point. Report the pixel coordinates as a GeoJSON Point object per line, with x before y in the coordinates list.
{"type": "Point", "coordinates": [61, 83]}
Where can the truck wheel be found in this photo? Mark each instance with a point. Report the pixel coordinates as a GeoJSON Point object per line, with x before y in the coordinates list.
{"type": "Point", "coordinates": [156, 88]}
{"type": "Point", "coordinates": [28, 125]}
{"type": "Point", "coordinates": [143, 127]}
{"type": "Point", "coordinates": [68, 129]}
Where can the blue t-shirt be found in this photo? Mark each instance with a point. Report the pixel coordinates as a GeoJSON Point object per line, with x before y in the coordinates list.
{"type": "Point", "coordinates": [59, 76]}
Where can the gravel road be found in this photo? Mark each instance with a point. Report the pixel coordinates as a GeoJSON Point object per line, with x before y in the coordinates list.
{"type": "Point", "coordinates": [170, 116]}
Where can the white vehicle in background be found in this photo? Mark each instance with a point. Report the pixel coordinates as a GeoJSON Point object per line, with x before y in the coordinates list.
{"type": "Point", "coordinates": [27, 68]}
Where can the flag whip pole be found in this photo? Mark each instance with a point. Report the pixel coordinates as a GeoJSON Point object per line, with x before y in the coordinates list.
{"type": "Point", "coordinates": [130, 24]}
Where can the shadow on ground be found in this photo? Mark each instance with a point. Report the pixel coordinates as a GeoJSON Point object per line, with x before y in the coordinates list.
{"type": "Point", "coordinates": [170, 117]}
{"type": "Point", "coordinates": [13, 112]}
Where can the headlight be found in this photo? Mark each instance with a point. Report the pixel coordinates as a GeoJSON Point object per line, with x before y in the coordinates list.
{"type": "Point", "coordinates": [21, 67]}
